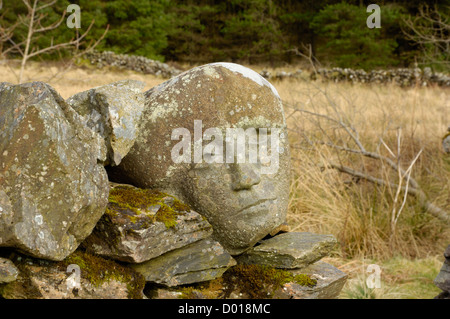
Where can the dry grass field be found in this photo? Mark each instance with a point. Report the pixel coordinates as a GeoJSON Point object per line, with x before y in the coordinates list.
{"type": "Point", "coordinates": [368, 167]}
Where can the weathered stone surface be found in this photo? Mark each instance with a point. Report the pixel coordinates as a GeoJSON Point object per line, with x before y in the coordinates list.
{"type": "Point", "coordinates": [53, 191]}
{"type": "Point", "coordinates": [200, 261]}
{"type": "Point", "coordinates": [447, 252]}
{"type": "Point", "coordinates": [113, 111]}
{"type": "Point", "coordinates": [95, 279]}
{"type": "Point", "coordinates": [8, 272]}
{"type": "Point", "coordinates": [330, 282]}
{"type": "Point", "coordinates": [289, 250]}
{"type": "Point", "coordinates": [442, 280]}
{"type": "Point", "coordinates": [318, 281]}
{"type": "Point", "coordinates": [242, 201]}
{"type": "Point", "coordinates": [130, 230]}
{"type": "Point", "coordinates": [446, 142]}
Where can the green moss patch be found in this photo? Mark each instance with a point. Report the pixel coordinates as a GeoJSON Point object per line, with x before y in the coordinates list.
{"type": "Point", "coordinates": [262, 281]}
{"type": "Point", "coordinates": [132, 202]}
{"type": "Point", "coordinates": [98, 270]}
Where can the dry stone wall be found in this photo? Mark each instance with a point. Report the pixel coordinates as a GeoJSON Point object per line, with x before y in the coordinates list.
{"type": "Point", "coordinates": [67, 230]}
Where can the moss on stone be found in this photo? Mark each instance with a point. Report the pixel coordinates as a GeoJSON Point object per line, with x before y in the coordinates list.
{"type": "Point", "coordinates": [98, 270]}
{"type": "Point", "coordinates": [253, 281]}
{"type": "Point", "coordinates": [212, 289]}
{"type": "Point", "coordinates": [132, 202]}
{"type": "Point", "coordinates": [262, 281]}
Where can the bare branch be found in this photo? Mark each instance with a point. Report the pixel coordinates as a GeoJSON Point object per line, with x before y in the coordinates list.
{"type": "Point", "coordinates": [428, 206]}
{"type": "Point", "coordinates": [308, 56]}
{"type": "Point", "coordinates": [52, 26]}
{"type": "Point", "coordinates": [46, 5]}
{"type": "Point", "coordinates": [430, 30]}
{"type": "Point", "coordinates": [406, 183]}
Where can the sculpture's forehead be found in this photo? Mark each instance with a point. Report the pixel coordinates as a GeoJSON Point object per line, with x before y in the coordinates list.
{"type": "Point", "coordinates": [219, 94]}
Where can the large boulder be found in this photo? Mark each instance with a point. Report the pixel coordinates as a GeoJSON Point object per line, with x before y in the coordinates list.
{"type": "Point", "coordinates": [141, 224]}
{"type": "Point", "coordinates": [113, 111]}
{"type": "Point", "coordinates": [244, 193]}
{"type": "Point", "coordinates": [53, 189]}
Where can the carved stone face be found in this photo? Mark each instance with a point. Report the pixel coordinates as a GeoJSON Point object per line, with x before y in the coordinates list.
{"type": "Point", "coordinates": [215, 136]}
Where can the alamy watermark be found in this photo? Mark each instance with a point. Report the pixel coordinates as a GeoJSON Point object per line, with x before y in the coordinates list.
{"type": "Point", "coordinates": [74, 19]}
{"type": "Point", "coordinates": [237, 145]}
{"type": "Point", "coordinates": [374, 279]}
{"type": "Point", "coordinates": [74, 280]}
{"type": "Point", "coordinates": [374, 20]}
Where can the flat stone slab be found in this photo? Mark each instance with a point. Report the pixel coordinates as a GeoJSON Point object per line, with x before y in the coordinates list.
{"type": "Point", "coordinates": [330, 281]}
{"type": "Point", "coordinates": [289, 250]}
{"type": "Point", "coordinates": [142, 224]}
{"type": "Point", "coordinates": [200, 261]}
{"type": "Point", "coordinates": [254, 283]}
{"type": "Point", "coordinates": [8, 271]}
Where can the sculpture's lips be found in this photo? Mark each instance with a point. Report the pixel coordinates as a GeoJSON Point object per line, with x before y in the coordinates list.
{"type": "Point", "coordinates": [258, 203]}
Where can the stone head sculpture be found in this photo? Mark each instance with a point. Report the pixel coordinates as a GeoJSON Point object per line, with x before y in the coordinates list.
{"type": "Point", "coordinates": [215, 136]}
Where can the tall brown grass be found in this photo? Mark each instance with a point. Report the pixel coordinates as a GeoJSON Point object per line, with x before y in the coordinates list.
{"type": "Point", "coordinates": [355, 210]}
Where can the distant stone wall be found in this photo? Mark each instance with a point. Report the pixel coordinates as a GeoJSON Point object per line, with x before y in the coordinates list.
{"type": "Point", "coordinates": [132, 62]}
{"type": "Point", "coordinates": [402, 77]}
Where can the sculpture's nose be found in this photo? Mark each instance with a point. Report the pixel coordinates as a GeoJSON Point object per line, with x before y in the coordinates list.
{"type": "Point", "coordinates": [245, 176]}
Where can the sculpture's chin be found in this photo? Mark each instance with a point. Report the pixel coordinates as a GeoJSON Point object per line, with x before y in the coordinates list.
{"type": "Point", "coordinates": [250, 225]}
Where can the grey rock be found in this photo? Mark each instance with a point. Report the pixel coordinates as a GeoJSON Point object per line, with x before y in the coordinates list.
{"type": "Point", "coordinates": [42, 279]}
{"type": "Point", "coordinates": [53, 190]}
{"type": "Point", "coordinates": [289, 250]}
{"type": "Point", "coordinates": [200, 261]}
{"type": "Point", "coordinates": [447, 252]}
{"type": "Point", "coordinates": [330, 282]}
{"type": "Point", "coordinates": [8, 272]}
{"type": "Point", "coordinates": [443, 295]}
{"type": "Point", "coordinates": [446, 142]}
{"type": "Point", "coordinates": [242, 201]}
{"type": "Point", "coordinates": [442, 280]}
{"type": "Point", "coordinates": [133, 234]}
{"type": "Point", "coordinates": [113, 111]}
